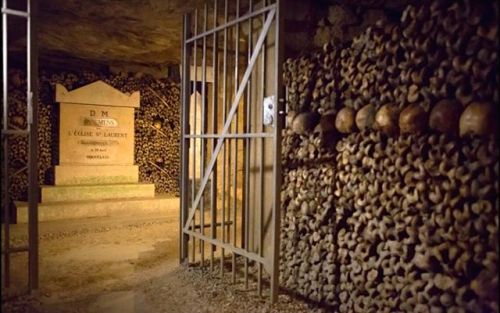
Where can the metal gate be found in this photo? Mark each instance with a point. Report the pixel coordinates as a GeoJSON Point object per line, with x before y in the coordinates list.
{"type": "Point", "coordinates": [231, 141]}
{"type": "Point", "coordinates": [28, 13]}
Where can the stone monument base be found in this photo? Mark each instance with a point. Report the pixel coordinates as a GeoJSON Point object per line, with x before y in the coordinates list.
{"type": "Point", "coordinates": [60, 210]}
{"type": "Point", "coordinates": [96, 192]}
{"type": "Point", "coordinates": [95, 174]}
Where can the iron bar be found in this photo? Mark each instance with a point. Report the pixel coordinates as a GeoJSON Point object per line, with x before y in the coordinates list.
{"type": "Point", "coordinates": [207, 225]}
{"type": "Point", "coordinates": [229, 147]}
{"type": "Point", "coordinates": [18, 13]}
{"type": "Point", "coordinates": [195, 109]}
{"type": "Point", "coordinates": [202, 130]}
{"type": "Point", "coordinates": [224, 100]}
{"type": "Point", "coordinates": [278, 125]}
{"type": "Point", "coordinates": [33, 184]}
{"type": "Point", "coordinates": [5, 143]}
{"type": "Point", "coordinates": [213, 197]}
{"type": "Point", "coordinates": [229, 247]}
{"type": "Point", "coordinates": [184, 144]}
{"type": "Point", "coordinates": [17, 249]}
{"type": "Point", "coordinates": [5, 104]}
{"type": "Point", "coordinates": [232, 136]}
{"type": "Point", "coordinates": [233, 22]}
{"type": "Point", "coordinates": [261, 167]}
{"type": "Point", "coordinates": [6, 210]}
{"type": "Point", "coordinates": [247, 143]}
{"type": "Point", "coordinates": [235, 177]}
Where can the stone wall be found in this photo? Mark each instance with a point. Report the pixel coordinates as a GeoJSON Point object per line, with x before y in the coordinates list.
{"type": "Point", "coordinates": [157, 126]}
{"type": "Point", "coordinates": [390, 188]}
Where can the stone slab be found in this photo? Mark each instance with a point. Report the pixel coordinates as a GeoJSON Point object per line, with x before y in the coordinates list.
{"type": "Point", "coordinates": [99, 208]}
{"type": "Point", "coordinates": [95, 174]}
{"type": "Point", "coordinates": [98, 93]}
{"type": "Point", "coordinates": [95, 135]}
{"type": "Point", "coordinates": [96, 192]}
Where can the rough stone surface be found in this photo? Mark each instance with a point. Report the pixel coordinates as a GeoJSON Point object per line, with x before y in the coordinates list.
{"type": "Point", "coordinates": [108, 32]}
{"type": "Point", "coordinates": [145, 35]}
{"type": "Point", "coordinates": [138, 32]}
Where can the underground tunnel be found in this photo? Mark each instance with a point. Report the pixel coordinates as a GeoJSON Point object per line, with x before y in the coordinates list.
{"type": "Point", "coordinates": [250, 156]}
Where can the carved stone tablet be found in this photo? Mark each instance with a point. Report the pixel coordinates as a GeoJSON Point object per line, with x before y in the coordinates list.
{"type": "Point", "coordinates": [93, 134]}
{"type": "Point", "coordinates": [96, 126]}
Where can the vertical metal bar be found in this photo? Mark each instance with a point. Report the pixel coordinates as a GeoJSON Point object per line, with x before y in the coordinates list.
{"type": "Point", "coordinates": [246, 190]}
{"type": "Point", "coordinates": [229, 146]}
{"type": "Point", "coordinates": [278, 125]}
{"type": "Point", "coordinates": [32, 61]}
{"type": "Point", "coordinates": [202, 130]}
{"type": "Point", "coordinates": [213, 198]}
{"type": "Point", "coordinates": [5, 205]}
{"type": "Point", "coordinates": [235, 177]}
{"type": "Point", "coordinates": [5, 143]}
{"type": "Point", "coordinates": [4, 62]}
{"type": "Point", "coordinates": [185, 142]}
{"type": "Point", "coordinates": [224, 100]}
{"type": "Point", "coordinates": [195, 80]}
{"type": "Point", "coordinates": [181, 181]}
{"type": "Point", "coordinates": [261, 165]}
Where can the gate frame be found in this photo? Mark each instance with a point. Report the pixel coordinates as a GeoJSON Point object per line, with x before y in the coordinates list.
{"type": "Point", "coordinates": [270, 13]}
{"type": "Point", "coordinates": [32, 133]}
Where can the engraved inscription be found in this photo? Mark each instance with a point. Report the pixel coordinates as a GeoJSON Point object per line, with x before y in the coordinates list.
{"type": "Point", "coordinates": [93, 134]}
{"type": "Point", "coordinates": [100, 122]}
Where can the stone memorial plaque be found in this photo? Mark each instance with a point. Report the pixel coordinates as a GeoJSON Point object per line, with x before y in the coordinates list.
{"type": "Point", "coordinates": [96, 135]}
{"type": "Point", "coordinates": [92, 134]}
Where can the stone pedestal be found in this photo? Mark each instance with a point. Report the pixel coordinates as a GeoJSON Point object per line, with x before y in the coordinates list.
{"type": "Point", "coordinates": [96, 175]}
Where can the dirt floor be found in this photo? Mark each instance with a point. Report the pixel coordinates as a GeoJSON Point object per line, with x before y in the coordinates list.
{"type": "Point", "coordinates": [127, 264]}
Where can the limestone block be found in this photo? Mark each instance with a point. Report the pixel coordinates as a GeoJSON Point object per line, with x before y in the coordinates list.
{"type": "Point", "coordinates": [98, 93]}
{"type": "Point", "coordinates": [97, 208]}
{"type": "Point", "coordinates": [97, 174]}
{"type": "Point", "coordinates": [96, 125]}
{"type": "Point", "coordinates": [96, 192]}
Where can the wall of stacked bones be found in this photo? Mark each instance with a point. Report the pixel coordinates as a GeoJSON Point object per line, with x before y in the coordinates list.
{"type": "Point", "coordinates": [390, 188]}
{"type": "Point", "coordinates": [157, 127]}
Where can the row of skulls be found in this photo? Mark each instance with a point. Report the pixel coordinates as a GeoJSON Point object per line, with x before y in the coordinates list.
{"type": "Point", "coordinates": [477, 119]}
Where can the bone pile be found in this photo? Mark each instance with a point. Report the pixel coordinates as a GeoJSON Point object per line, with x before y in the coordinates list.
{"type": "Point", "coordinates": [390, 187]}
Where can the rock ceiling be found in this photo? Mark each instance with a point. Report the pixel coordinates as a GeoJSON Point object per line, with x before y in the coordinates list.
{"type": "Point", "coordinates": [132, 31]}
{"type": "Point", "coordinates": [110, 32]}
